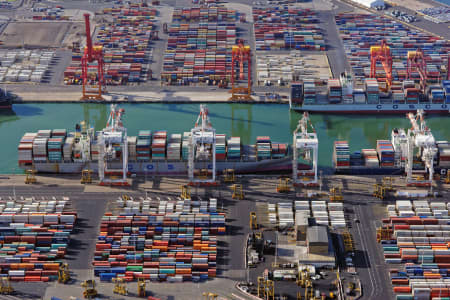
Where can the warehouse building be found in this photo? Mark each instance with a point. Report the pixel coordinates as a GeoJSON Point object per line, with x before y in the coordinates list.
{"type": "Point", "coordinates": [370, 3]}
{"type": "Point", "coordinates": [317, 240]}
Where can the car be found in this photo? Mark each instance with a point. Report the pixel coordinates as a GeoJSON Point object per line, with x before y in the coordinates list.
{"type": "Point", "coordinates": [356, 220]}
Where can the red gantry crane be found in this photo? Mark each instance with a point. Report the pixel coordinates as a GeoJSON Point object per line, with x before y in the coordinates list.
{"type": "Point", "coordinates": [241, 54]}
{"type": "Point", "coordinates": [92, 54]}
{"type": "Point", "coordinates": [416, 63]}
{"type": "Point", "coordinates": [381, 54]}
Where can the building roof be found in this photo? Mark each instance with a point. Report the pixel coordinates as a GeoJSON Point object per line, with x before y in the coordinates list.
{"type": "Point", "coordinates": [317, 234]}
{"type": "Point", "coordinates": [370, 3]}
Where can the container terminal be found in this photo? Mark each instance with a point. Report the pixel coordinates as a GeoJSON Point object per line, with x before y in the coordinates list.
{"type": "Point", "coordinates": [113, 214]}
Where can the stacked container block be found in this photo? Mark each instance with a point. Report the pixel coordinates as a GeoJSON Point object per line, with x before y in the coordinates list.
{"type": "Point", "coordinates": [174, 147]}
{"type": "Point", "coordinates": [221, 147]}
{"type": "Point", "coordinates": [359, 32]}
{"type": "Point", "coordinates": [203, 14]}
{"type": "Point", "coordinates": [173, 240]}
{"type": "Point", "coordinates": [143, 149]}
{"type": "Point", "coordinates": [418, 245]}
{"type": "Point", "coordinates": [279, 150]}
{"type": "Point", "coordinates": [341, 155]}
{"type": "Point", "coordinates": [33, 237]}
{"type": "Point", "coordinates": [198, 53]}
{"type": "Point", "coordinates": [334, 91]}
{"type": "Point", "coordinates": [386, 153]}
{"type": "Point", "coordinates": [263, 147]}
{"type": "Point", "coordinates": [159, 145]}
{"type": "Point", "coordinates": [287, 28]}
{"type": "Point", "coordinates": [234, 148]}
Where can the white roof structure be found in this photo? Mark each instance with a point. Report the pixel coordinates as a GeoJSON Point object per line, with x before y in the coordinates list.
{"type": "Point", "coordinates": [370, 3]}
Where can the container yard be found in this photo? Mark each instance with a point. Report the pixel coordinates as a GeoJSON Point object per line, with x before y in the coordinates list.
{"type": "Point", "coordinates": [160, 205]}
{"type": "Point", "coordinates": [25, 65]}
{"type": "Point", "coordinates": [359, 32]}
{"type": "Point", "coordinates": [127, 47]}
{"type": "Point", "coordinates": [176, 241]}
{"type": "Point", "coordinates": [287, 28]}
{"type": "Point", "coordinates": [282, 69]}
{"type": "Point", "coordinates": [198, 53]}
{"type": "Point", "coordinates": [35, 234]}
{"type": "Point", "coordinates": [201, 14]}
{"type": "Point", "coordinates": [415, 246]}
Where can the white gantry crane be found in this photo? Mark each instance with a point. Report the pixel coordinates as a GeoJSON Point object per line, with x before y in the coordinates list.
{"type": "Point", "coordinates": [202, 150]}
{"type": "Point", "coordinates": [82, 145]}
{"type": "Point", "coordinates": [113, 150]}
{"type": "Point", "coordinates": [305, 145]}
{"type": "Point", "coordinates": [420, 138]}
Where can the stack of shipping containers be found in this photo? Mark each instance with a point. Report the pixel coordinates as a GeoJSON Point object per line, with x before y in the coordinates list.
{"type": "Point", "coordinates": [263, 147]}
{"type": "Point", "coordinates": [386, 153]}
{"type": "Point", "coordinates": [175, 241]}
{"type": "Point", "coordinates": [198, 52]}
{"type": "Point", "coordinates": [126, 43]}
{"type": "Point", "coordinates": [203, 14]}
{"type": "Point", "coordinates": [359, 32]}
{"type": "Point", "coordinates": [334, 91]}
{"type": "Point", "coordinates": [341, 155]}
{"type": "Point", "coordinates": [143, 145]}
{"type": "Point", "coordinates": [417, 246]}
{"type": "Point", "coordinates": [221, 147]}
{"type": "Point", "coordinates": [159, 145]}
{"type": "Point", "coordinates": [287, 28]}
{"type": "Point", "coordinates": [34, 237]}
{"type": "Point", "coordinates": [234, 148]}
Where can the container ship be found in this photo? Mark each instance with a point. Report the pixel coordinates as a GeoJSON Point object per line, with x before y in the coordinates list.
{"type": "Point", "coordinates": [343, 97]}
{"type": "Point", "coordinates": [150, 152]}
{"type": "Point", "coordinates": [413, 151]}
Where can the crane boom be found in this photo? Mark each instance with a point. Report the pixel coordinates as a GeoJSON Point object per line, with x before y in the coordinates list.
{"type": "Point", "coordinates": [304, 143]}
{"type": "Point", "coordinates": [88, 37]}
{"type": "Point", "coordinates": [420, 137]}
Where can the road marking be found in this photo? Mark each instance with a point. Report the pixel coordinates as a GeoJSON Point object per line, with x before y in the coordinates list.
{"type": "Point", "coordinates": [366, 256]}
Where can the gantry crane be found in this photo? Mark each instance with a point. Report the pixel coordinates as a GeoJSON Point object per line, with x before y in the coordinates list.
{"type": "Point", "coordinates": [31, 176]}
{"type": "Point", "coordinates": [241, 54]}
{"type": "Point", "coordinates": [86, 176]}
{"type": "Point", "coordinates": [266, 289]}
{"type": "Point", "coordinates": [381, 53]}
{"type": "Point", "coordinates": [238, 192]}
{"type": "Point", "coordinates": [306, 146]}
{"type": "Point", "coordinates": [5, 286]}
{"type": "Point", "coordinates": [228, 176]}
{"type": "Point", "coordinates": [92, 54]}
{"type": "Point", "coordinates": [89, 289]}
{"type": "Point", "coordinates": [185, 192]}
{"type": "Point", "coordinates": [63, 273]}
{"type": "Point", "coordinates": [120, 286]}
{"type": "Point", "coordinates": [202, 150]}
{"type": "Point", "coordinates": [416, 62]}
{"type": "Point", "coordinates": [284, 185]}
{"type": "Point", "coordinates": [421, 138]}
{"type": "Point", "coordinates": [336, 194]}
{"type": "Point", "coordinates": [253, 221]}
{"type": "Point", "coordinates": [113, 150]}
{"type": "Point", "coordinates": [141, 287]}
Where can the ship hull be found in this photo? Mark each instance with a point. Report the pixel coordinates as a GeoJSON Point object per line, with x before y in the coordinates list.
{"type": "Point", "coordinates": [171, 167]}
{"type": "Point", "coordinates": [434, 108]}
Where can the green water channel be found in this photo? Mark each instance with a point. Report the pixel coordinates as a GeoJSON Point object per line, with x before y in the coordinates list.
{"type": "Point", "coordinates": [244, 120]}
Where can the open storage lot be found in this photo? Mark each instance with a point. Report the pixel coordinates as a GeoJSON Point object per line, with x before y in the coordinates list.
{"type": "Point", "coordinates": [34, 34]}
